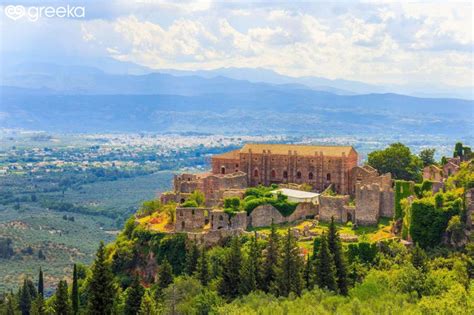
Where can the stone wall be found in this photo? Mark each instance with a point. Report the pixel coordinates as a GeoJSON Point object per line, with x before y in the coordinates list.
{"type": "Point", "coordinates": [303, 210]}
{"type": "Point", "coordinates": [333, 206]}
{"type": "Point", "coordinates": [211, 238]}
{"type": "Point", "coordinates": [221, 220]}
{"type": "Point", "coordinates": [387, 203]}
{"type": "Point", "coordinates": [367, 204]}
{"type": "Point", "coordinates": [189, 219]}
{"type": "Point", "coordinates": [263, 215]}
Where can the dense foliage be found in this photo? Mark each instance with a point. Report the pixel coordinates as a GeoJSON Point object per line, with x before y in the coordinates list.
{"type": "Point", "coordinates": [398, 160]}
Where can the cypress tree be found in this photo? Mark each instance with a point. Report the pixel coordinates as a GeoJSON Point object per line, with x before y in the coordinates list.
{"type": "Point", "coordinates": [165, 275]}
{"type": "Point", "coordinates": [270, 263]}
{"type": "Point", "coordinates": [192, 257]}
{"type": "Point", "coordinates": [308, 273]}
{"type": "Point", "coordinates": [325, 268]}
{"type": "Point", "coordinates": [37, 307]}
{"type": "Point", "coordinates": [134, 297]}
{"type": "Point", "coordinates": [25, 298]}
{"type": "Point", "coordinates": [75, 291]}
{"type": "Point", "coordinates": [250, 272]}
{"type": "Point", "coordinates": [335, 247]}
{"type": "Point", "coordinates": [230, 282]}
{"type": "Point", "coordinates": [203, 268]}
{"type": "Point", "coordinates": [61, 302]}
{"type": "Point", "coordinates": [101, 290]}
{"type": "Point", "coordinates": [290, 278]}
{"type": "Point", "coordinates": [40, 283]}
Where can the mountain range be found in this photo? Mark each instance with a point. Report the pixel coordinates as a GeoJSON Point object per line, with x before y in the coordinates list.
{"type": "Point", "coordinates": [63, 98]}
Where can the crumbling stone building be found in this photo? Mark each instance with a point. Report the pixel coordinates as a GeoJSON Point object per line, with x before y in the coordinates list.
{"type": "Point", "coordinates": [265, 164]}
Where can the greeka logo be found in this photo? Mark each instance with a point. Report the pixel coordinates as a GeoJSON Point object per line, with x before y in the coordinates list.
{"type": "Point", "coordinates": [16, 12]}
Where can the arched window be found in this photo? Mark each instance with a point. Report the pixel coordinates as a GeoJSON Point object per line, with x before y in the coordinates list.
{"type": "Point", "coordinates": [273, 174]}
{"type": "Point", "coordinates": [192, 212]}
{"type": "Point", "coordinates": [285, 174]}
{"type": "Point", "coordinates": [298, 175]}
{"type": "Point", "coordinates": [328, 176]}
{"type": "Point", "coordinates": [255, 173]}
{"type": "Point", "coordinates": [222, 170]}
{"type": "Point", "coordinates": [310, 175]}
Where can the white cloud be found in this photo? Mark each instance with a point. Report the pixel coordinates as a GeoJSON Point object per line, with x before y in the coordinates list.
{"type": "Point", "coordinates": [383, 42]}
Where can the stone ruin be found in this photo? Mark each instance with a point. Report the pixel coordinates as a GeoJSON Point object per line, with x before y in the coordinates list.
{"type": "Point", "coordinates": [194, 219]}
{"type": "Point", "coordinates": [215, 187]}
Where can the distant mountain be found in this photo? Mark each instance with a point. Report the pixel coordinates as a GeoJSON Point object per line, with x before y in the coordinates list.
{"type": "Point", "coordinates": [338, 86]}
{"type": "Point", "coordinates": [264, 111]}
{"type": "Point", "coordinates": [89, 80]}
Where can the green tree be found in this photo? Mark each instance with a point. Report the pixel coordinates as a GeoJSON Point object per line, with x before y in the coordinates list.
{"type": "Point", "coordinates": [251, 269]}
{"type": "Point", "coordinates": [230, 283]}
{"type": "Point", "coordinates": [427, 156]}
{"type": "Point", "coordinates": [325, 268]}
{"type": "Point", "coordinates": [308, 273]}
{"type": "Point", "coordinates": [75, 291]}
{"type": "Point", "coordinates": [148, 305]}
{"type": "Point", "coordinates": [165, 274]}
{"type": "Point", "coordinates": [203, 268]}
{"type": "Point", "coordinates": [335, 248]}
{"type": "Point", "coordinates": [270, 262]}
{"type": "Point", "coordinates": [38, 307]}
{"type": "Point", "coordinates": [290, 278]}
{"type": "Point", "coordinates": [192, 256]}
{"type": "Point", "coordinates": [198, 197]}
{"type": "Point", "coordinates": [25, 298]}
{"type": "Point", "coordinates": [397, 160]}
{"type": "Point", "coordinates": [61, 299]}
{"type": "Point", "coordinates": [101, 289]}
{"type": "Point", "coordinates": [458, 150]}
{"type": "Point", "coordinates": [134, 297]}
{"type": "Point", "coordinates": [40, 283]}
{"type": "Point", "coordinates": [419, 258]}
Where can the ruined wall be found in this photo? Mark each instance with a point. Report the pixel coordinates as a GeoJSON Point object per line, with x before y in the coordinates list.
{"type": "Point", "coordinates": [387, 203]}
{"type": "Point", "coordinates": [188, 219]}
{"type": "Point", "coordinates": [361, 174]}
{"type": "Point", "coordinates": [303, 210]}
{"type": "Point", "coordinates": [367, 204]}
{"type": "Point", "coordinates": [263, 215]}
{"type": "Point", "coordinates": [333, 206]}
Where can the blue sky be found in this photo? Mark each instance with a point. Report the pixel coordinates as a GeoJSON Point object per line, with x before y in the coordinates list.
{"type": "Point", "coordinates": [373, 42]}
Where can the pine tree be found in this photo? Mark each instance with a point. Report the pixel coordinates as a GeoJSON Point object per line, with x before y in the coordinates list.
{"type": "Point", "coordinates": [308, 273]}
{"type": "Point", "coordinates": [418, 258]}
{"type": "Point", "coordinates": [290, 277]}
{"type": "Point", "coordinates": [230, 282]}
{"type": "Point", "coordinates": [203, 268]}
{"type": "Point", "coordinates": [192, 257]}
{"type": "Point", "coordinates": [61, 301]}
{"type": "Point", "coordinates": [25, 298]}
{"type": "Point", "coordinates": [148, 305]}
{"type": "Point", "coordinates": [134, 297]}
{"type": "Point", "coordinates": [75, 292]}
{"type": "Point", "coordinates": [325, 268]}
{"type": "Point", "coordinates": [165, 275]}
{"type": "Point", "coordinates": [40, 283]}
{"type": "Point", "coordinates": [270, 263]}
{"type": "Point", "coordinates": [250, 272]}
{"type": "Point", "coordinates": [335, 248]}
{"type": "Point", "coordinates": [101, 290]}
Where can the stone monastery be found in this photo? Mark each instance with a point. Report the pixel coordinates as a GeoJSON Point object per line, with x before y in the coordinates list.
{"type": "Point", "coordinates": [322, 168]}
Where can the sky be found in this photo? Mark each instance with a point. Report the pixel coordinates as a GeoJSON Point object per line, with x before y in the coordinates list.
{"type": "Point", "coordinates": [374, 42]}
